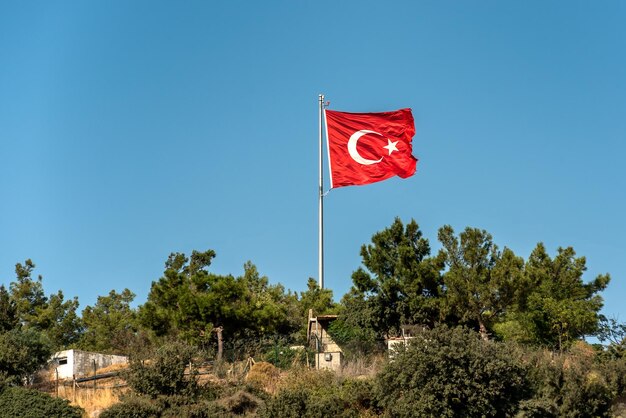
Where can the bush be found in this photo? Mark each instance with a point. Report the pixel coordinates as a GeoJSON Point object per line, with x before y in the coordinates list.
{"type": "Point", "coordinates": [569, 385]}
{"type": "Point", "coordinates": [281, 355]}
{"type": "Point", "coordinates": [241, 402]}
{"type": "Point", "coordinates": [172, 407]}
{"type": "Point", "coordinates": [164, 374]}
{"type": "Point", "coordinates": [133, 407]}
{"type": "Point", "coordinates": [263, 375]}
{"type": "Point", "coordinates": [313, 394]}
{"type": "Point", "coordinates": [452, 372]}
{"type": "Point", "coordinates": [18, 402]}
{"type": "Point", "coordinates": [22, 352]}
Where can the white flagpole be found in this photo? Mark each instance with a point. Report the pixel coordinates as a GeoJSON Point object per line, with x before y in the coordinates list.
{"type": "Point", "coordinates": [320, 249]}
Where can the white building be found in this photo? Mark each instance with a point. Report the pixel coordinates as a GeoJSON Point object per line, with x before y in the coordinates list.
{"type": "Point", "coordinates": [77, 363]}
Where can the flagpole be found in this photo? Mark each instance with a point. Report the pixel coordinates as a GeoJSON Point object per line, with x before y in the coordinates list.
{"type": "Point", "coordinates": [320, 248]}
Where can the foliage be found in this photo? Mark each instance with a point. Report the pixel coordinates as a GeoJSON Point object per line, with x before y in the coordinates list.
{"type": "Point", "coordinates": [133, 407]}
{"type": "Point", "coordinates": [451, 372]}
{"type": "Point", "coordinates": [111, 325]}
{"type": "Point", "coordinates": [280, 354]}
{"type": "Point", "coordinates": [481, 282]}
{"type": "Point", "coordinates": [399, 285]}
{"type": "Point", "coordinates": [263, 375]}
{"type": "Point", "coordinates": [614, 372]}
{"type": "Point", "coordinates": [22, 352]}
{"type": "Point", "coordinates": [190, 302]}
{"type": "Point", "coordinates": [541, 302]}
{"type": "Point", "coordinates": [18, 402]}
{"type": "Point", "coordinates": [27, 293]}
{"type": "Point", "coordinates": [568, 385]}
{"type": "Point", "coordinates": [316, 299]}
{"type": "Point", "coordinates": [53, 315]}
{"type": "Point", "coordinates": [59, 321]}
{"type": "Point", "coordinates": [613, 332]}
{"type": "Point", "coordinates": [353, 332]}
{"type": "Point", "coordinates": [164, 372]}
{"type": "Point", "coordinates": [241, 402]}
{"type": "Point", "coordinates": [8, 311]}
{"type": "Point", "coordinates": [555, 307]}
{"type": "Point", "coordinates": [318, 394]}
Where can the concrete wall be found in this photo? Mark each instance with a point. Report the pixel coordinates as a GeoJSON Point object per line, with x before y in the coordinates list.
{"type": "Point", "coordinates": [395, 344]}
{"type": "Point", "coordinates": [329, 360]}
{"type": "Point", "coordinates": [80, 363]}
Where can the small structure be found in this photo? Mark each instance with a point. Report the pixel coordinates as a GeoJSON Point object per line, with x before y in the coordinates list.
{"type": "Point", "coordinates": [328, 355]}
{"type": "Point", "coordinates": [396, 343]}
{"type": "Point", "coordinates": [77, 363]}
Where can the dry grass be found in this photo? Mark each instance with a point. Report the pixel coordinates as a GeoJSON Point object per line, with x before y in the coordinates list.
{"type": "Point", "coordinates": [92, 400]}
{"type": "Point", "coordinates": [113, 368]}
{"type": "Point", "coordinates": [363, 367]}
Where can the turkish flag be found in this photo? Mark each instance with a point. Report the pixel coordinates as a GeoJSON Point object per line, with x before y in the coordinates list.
{"type": "Point", "coordinates": [365, 148]}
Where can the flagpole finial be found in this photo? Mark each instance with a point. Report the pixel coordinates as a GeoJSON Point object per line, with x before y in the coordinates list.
{"type": "Point", "coordinates": [323, 104]}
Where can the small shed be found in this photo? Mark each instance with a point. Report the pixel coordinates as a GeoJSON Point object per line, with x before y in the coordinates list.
{"type": "Point", "coordinates": [328, 354]}
{"type": "Point", "coordinates": [78, 363]}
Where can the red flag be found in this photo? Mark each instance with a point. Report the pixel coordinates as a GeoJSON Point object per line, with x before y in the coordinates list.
{"type": "Point", "coordinates": [365, 148]}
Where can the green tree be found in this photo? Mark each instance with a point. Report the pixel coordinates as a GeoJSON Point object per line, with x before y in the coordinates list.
{"type": "Point", "coordinates": [481, 282]}
{"type": "Point", "coordinates": [190, 302]}
{"type": "Point", "coordinates": [400, 284]}
{"type": "Point", "coordinates": [320, 301]}
{"type": "Point", "coordinates": [53, 315]}
{"type": "Point", "coordinates": [556, 306]}
{"type": "Point", "coordinates": [171, 308]}
{"type": "Point", "coordinates": [27, 293]}
{"type": "Point", "coordinates": [57, 318]}
{"type": "Point", "coordinates": [8, 311]}
{"type": "Point", "coordinates": [111, 325]}
{"type": "Point", "coordinates": [268, 305]}
{"type": "Point", "coordinates": [353, 329]}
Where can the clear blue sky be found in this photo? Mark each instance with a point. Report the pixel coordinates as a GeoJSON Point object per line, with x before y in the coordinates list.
{"type": "Point", "coordinates": [132, 129]}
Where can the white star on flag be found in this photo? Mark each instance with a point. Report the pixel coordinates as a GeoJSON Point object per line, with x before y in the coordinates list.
{"type": "Point", "coordinates": [391, 146]}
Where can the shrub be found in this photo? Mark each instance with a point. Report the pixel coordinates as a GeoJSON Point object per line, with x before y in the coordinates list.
{"type": "Point", "coordinates": [570, 385]}
{"type": "Point", "coordinates": [452, 372]}
{"type": "Point", "coordinates": [18, 402]}
{"type": "Point", "coordinates": [241, 402]}
{"type": "Point", "coordinates": [164, 407]}
{"type": "Point", "coordinates": [197, 409]}
{"type": "Point", "coordinates": [312, 394]}
{"type": "Point", "coordinates": [133, 407]}
{"type": "Point", "coordinates": [164, 374]}
{"type": "Point", "coordinates": [22, 352]}
{"type": "Point", "coordinates": [264, 376]}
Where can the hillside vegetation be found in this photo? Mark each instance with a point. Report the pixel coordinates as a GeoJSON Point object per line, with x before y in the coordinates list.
{"type": "Point", "coordinates": [498, 335]}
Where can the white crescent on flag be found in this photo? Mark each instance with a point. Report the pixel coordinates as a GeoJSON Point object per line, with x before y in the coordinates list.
{"type": "Point", "coordinates": [354, 139]}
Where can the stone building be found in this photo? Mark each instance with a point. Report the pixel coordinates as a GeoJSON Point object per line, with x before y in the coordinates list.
{"type": "Point", "coordinates": [328, 355]}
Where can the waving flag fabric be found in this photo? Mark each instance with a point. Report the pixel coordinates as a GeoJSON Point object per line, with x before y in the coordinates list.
{"type": "Point", "coordinates": [364, 148]}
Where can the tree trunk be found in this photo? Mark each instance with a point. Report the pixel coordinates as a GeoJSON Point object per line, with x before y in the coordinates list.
{"type": "Point", "coordinates": [482, 329]}
{"type": "Point", "coordinates": [220, 343]}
